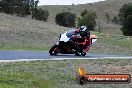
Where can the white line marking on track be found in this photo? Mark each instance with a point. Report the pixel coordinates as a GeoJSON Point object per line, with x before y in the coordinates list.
{"type": "Point", "coordinates": [28, 60]}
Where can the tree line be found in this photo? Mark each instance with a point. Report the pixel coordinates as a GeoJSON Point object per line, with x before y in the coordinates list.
{"type": "Point", "coordinates": [124, 18]}
{"type": "Point", "coordinates": [24, 8]}
{"type": "Point", "coordinates": [67, 19]}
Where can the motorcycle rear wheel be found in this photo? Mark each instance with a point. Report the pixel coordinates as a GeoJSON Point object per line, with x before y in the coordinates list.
{"type": "Point", "coordinates": [77, 53]}
{"type": "Point", "coordinates": [83, 53]}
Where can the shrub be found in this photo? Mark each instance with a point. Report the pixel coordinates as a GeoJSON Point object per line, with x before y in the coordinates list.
{"type": "Point", "coordinates": [125, 17]}
{"type": "Point", "coordinates": [115, 20]}
{"type": "Point", "coordinates": [19, 7]}
{"type": "Point", "coordinates": [65, 19]}
{"type": "Point", "coordinates": [108, 17]}
{"type": "Point", "coordinates": [40, 14]}
{"type": "Point", "coordinates": [88, 19]}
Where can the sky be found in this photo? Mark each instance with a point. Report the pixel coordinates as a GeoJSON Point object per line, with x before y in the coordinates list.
{"type": "Point", "coordinates": [65, 2]}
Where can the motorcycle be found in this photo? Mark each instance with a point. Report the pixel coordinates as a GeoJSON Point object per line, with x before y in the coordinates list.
{"type": "Point", "coordinates": [66, 46]}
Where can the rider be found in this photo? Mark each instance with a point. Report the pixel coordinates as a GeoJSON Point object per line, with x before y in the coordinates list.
{"type": "Point", "coordinates": [83, 34]}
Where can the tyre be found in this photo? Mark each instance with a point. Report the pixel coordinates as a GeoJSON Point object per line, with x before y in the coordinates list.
{"type": "Point", "coordinates": [77, 53]}
{"type": "Point", "coordinates": [83, 54]}
{"type": "Point", "coordinates": [53, 50]}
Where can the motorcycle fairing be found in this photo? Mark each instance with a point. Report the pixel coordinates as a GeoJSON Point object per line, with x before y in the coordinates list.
{"type": "Point", "coordinates": [64, 38]}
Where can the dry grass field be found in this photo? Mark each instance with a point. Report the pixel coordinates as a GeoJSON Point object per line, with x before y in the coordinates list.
{"type": "Point", "coordinates": [18, 33]}
{"type": "Point", "coordinates": [21, 32]}
{"type": "Point", "coordinates": [60, 74]}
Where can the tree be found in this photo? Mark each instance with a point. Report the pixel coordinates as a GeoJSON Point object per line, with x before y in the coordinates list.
{"type": "Point", "coordinates": [40, 14]}
{"type": "Point", "coordinates": [125, 17]}
{"type": "Point", "coordinates": [6, 6]}
{"type": "Point", "coordinates": [0, 5]}
{"type": "Point", "coordinates": [33, 6]}
{"type": "Point", "coordinates": [19, 7]}
{"type": "Point", "coordinates": [87, 19]}
{"type": "Point", "coordinates": [84, 12]}
{"type": "Point", "coordinates": [115, 20]}
{"type": "Point", "coordinates": [108, 17]}
{"type": "Point", "coordinates": [66, 19]}
{"type": "Point", "coordinates": [24, 7]}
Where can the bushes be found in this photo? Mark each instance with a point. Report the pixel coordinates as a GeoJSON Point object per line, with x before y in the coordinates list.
{"type": "Point", "coordinates": [127, 26]}
{"type": "Point", "coordinates": [88, 19]}
{"type": "Point", "coordinates": [40, 14]}
{"type": "Point", "coordinates": [19, 7]}
{"type": "Point", "coordinates": [65, 19]}
{"type": "Point", "coordinates": [23, 8]}
{"type": "Point", "coordinates": [115, 20]}
{"type": "Point", "coordinates": [125, 17]}
{"type": "Point", "coordinates": [0, 5]}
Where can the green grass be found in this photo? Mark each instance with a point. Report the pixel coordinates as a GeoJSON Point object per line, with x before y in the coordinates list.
{"type": "Point", "coordinates": [112, 44]}
{"type": "Point", "coordinates": [60, 74]}
{"type": "Point", "coordinates": [25, 47]}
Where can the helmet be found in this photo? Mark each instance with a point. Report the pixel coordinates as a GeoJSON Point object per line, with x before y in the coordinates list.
{"type": "Point", "coordinates": [83, 31]}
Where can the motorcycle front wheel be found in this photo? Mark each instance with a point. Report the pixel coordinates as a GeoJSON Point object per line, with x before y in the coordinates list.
{"type": "Point", "coordinates": [80, 54]}
{"type": "Point", "coordinates": [53, 50]}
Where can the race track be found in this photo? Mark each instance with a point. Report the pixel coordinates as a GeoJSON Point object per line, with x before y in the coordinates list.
{"type": "Point", "coordinates": [10, 55]}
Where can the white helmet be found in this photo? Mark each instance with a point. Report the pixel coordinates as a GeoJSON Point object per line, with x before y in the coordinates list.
{"type": "Point", "coordinates": [83, 28]}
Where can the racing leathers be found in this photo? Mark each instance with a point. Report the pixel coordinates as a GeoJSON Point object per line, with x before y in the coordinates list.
{"type": "Point", "coordinates": [83, 40]}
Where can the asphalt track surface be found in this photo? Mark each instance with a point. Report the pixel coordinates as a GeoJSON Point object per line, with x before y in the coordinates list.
{"type": "Point", "coordinates": [19, 55]}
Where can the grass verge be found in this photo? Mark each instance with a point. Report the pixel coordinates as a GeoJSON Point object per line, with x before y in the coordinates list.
{"type": "Point", "coordinates": [25, 47]}
{"type": "Point", "coordinates": [105, 44]}
{"type": "Point", "coordinates": [60, 74]}
{"type": "Point", "coordinates": [111, 44]}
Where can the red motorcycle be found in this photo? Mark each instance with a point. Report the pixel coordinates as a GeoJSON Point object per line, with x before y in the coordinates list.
{"type": "Point", "coordinates": [69, 45]}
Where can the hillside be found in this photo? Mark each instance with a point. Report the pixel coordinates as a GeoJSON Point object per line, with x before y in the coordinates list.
{"type": "Point", "coordinates": [20, 32]}
{"type": "Point", "coordinates": [101, 8]}
{"type": "Point", "coordinates": [111, 6]}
